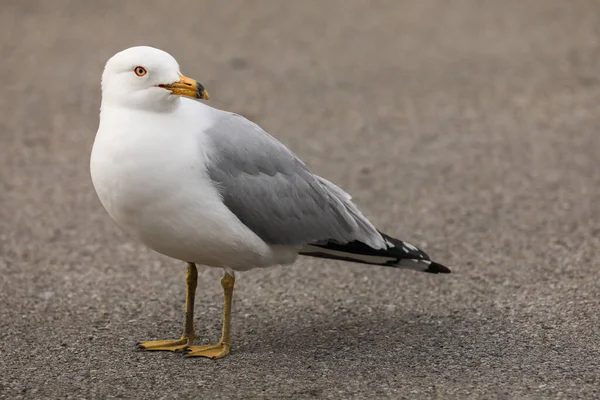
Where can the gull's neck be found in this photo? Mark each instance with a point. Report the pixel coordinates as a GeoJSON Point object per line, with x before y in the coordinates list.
{"type": "Point", "coordinates": [182, 112]}
{"type": "Point", "coordinates": [162, 106]}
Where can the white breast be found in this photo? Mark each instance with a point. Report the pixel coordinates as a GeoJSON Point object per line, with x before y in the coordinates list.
{"type": "Point", "coordinates": [148, 171]}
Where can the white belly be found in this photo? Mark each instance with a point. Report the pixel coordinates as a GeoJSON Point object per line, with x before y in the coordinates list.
{"type": "Point", "coordinates": [156, 188]}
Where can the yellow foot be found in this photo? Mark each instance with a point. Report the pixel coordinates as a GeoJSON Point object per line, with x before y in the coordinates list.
{"type": "Point", "coordinates": [165, 345]}
{"type": "Point", "coordinates": [212, 351]}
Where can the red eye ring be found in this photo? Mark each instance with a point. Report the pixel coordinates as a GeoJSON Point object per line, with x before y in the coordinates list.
{"type": "Point", "coordinates": [140, 71]}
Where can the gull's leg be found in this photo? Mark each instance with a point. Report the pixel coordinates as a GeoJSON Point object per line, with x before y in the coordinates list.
{"type": "Point", "coordinates": [220, 349]}
{"type": "Point", "coordinates": [187, 339]}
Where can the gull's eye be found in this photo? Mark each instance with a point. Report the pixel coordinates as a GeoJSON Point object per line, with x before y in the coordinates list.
{"type": "Point", "coordinates": [140, 71]}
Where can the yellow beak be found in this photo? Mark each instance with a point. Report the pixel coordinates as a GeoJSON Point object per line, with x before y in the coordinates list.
{"type": "Point", "coordinates": [187, 87]}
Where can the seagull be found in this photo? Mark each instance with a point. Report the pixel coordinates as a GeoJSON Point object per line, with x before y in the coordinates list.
{"type": "Point", "coordinates": [209, 187]}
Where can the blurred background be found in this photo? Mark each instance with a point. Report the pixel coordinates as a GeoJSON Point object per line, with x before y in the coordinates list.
{"type": "Point", "coordinates": [469, 128]}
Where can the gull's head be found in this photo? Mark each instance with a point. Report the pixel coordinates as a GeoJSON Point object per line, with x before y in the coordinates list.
{"type": "Point", "coordinates": [147, 78]}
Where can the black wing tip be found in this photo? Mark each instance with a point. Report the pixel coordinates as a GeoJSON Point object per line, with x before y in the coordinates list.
{"type": "Point", "coordinates": [435, 268]}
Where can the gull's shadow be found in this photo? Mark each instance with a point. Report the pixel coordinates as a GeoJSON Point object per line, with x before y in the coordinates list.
{"type": "Point", "coordinates": [409, 339]}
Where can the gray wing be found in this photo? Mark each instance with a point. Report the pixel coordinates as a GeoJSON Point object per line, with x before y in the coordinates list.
{"type": "Point", "coordinates": [273, 193]}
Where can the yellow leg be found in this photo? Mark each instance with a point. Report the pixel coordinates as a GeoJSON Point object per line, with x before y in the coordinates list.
{"type": "Point", "coordinates": [220, 349]}
{"type": "Point", "coordinates": [187, 339]}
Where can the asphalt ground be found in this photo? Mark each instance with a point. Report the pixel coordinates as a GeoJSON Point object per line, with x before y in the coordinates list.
{"type": "Point", "coordinates": [470, 128]}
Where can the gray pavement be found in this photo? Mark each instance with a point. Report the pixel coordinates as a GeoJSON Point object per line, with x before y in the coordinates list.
{"type": "Point", "coordinates": [471, 129]}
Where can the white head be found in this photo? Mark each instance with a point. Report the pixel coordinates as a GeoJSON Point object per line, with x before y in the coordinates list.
{"type": "Point", "coordinates": [147, 78]}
